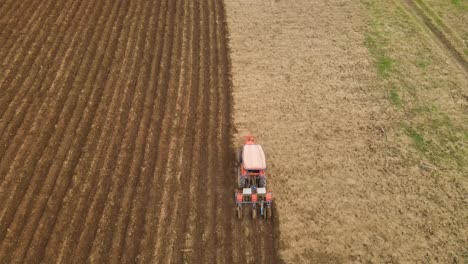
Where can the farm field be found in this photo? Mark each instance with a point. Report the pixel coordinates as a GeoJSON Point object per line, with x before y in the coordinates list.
{"type": "Point", "coordinates": [362, 109]}
{"type": "Point", "coordinates": [115, 135]}
{"type": "Point", "coordinates": [119, 122]}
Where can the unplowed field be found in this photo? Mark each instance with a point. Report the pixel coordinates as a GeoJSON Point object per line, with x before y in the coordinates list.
{"type": "Point", "coordinates": [115, 135]}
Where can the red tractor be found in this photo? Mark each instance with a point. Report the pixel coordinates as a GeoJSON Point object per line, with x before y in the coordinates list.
{"type": "Point", "coordinates": [252, 180]}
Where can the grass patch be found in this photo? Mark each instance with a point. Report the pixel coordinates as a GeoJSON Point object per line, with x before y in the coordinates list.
{"type": "Point", "coordinates": [422, 63]}
{"type": "Point", "coordinates": [460, 4]}
{"type": "Point", "coordinates": [417, 138]}
{"type": "Point", "coordinates": [435, 137]}
{"type": "Point", "coordinates": [445, 142]}
{"type": "Point", "coordinates": [384, 65]}
{"type": "Point", "coordinates": [383, 62]}
{"type": "Point", "coordinates": [395, 97]}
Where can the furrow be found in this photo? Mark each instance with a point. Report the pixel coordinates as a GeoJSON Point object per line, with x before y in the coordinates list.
{"type": "Point", "coordinates": [164, 167]}
{"type": "Point", "coordinates": [20, 59]}
{"type": "Point", "coordinates": [24, 208]}
{"type": "Point", "coordinates": [42, 65]}
{"type": "Point", "coordinates": [106, 225]}
{"type": "Point", "coordinates": [82, 251]}
{"type": "Point", "coordinates": [212, 174]}
{"type": "Point", "coordinates": [137, 162]}
{"type": "Point", "coordinates": [177, 249]}
{"type": "Point", "coordinates": [115, 135]}
{"type": "Point", "coordinates": [77, 130]}
{"type": "Point", "coordinates": [163, 174]}
{"type": "Point", "coordinates": [199, 239]}
{"type": "Point", "coordinates": [77, 198]}
{"type": "Point", "coordinates": [6, 6]}
{"type": "Point", "coordinates": [224, 152]}
{"type": "Point", "coordinates": [37, 7]}
{"type": "Point", "coordinates": [13, 21]}
{"type": "Point", "coordinates": [190, 251]}
{"type": "Point", "coordinates": [181, 159]}
{"type": "Point", "coordinates": [28, 157]}
{"type": "Point", "coordinates": [130, 244]}
{"type": "Point", "coordinates": [8, 152]}
{"type": "Point", "coordinates": [24, 107]}
{"type": "Point", "coordinates": [156, 156]}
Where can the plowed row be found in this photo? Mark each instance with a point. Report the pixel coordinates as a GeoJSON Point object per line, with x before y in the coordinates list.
{"type": "Point", "coordinates": [115, 135]}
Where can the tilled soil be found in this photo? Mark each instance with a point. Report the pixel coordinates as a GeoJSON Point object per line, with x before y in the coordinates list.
{"type": "Point", "coordinates": [115, 135]}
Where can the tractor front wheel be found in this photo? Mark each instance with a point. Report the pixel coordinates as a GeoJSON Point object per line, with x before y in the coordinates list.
{"type": "Point", "coordinates": [254, 213]}
{"type": "Point", "coordinates": [268, 213]}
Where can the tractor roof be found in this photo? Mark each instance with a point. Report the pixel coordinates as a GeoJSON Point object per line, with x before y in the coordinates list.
{"type": "Point", "coordinates": [253, 157]}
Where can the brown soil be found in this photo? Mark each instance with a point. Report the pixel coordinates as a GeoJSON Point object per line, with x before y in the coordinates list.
{"type": "Point", "coordinates": [115, 135]}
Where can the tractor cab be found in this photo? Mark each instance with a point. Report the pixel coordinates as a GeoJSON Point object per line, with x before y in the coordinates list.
{"type": "Point", "coordinates": [252, 164]}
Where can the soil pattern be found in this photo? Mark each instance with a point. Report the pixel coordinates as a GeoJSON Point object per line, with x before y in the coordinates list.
{"type": "Point", "coordinates": [115, 135]}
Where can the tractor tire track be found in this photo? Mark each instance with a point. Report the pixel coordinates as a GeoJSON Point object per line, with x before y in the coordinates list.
{"type": "Point", "coordinates": [439, 34]}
